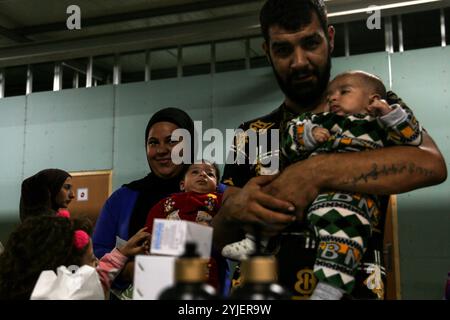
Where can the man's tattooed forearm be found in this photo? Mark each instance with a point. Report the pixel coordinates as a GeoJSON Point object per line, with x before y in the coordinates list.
{"type": "Point", "coordinates": [394, 169]}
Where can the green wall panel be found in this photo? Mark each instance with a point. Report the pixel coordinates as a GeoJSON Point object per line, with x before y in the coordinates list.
{"type": "Point", "coordinates": [422, 78]}
{"type": "Point", "coordinates": [375, 63]}
{"type": "Point", "coordinates": [12, 117]}
{"type": "Point", "coordinates": [70, 129]}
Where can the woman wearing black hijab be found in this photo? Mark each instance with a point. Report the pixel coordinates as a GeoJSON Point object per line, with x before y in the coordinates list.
{"type": "Point", "coordinates": [46, 192]}
{"type": "Point", "coordinates": [125, 212]}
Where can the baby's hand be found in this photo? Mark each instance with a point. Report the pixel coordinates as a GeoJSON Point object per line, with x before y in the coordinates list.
{"type": "Point", "coordinates": [379, 107]}
{"type": "Point", "coordinates": [137, 244]}
{"type": "Point", "coordinates": [320, 134]}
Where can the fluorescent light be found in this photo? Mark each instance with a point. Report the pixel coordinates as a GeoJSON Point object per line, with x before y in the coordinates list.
{"type": "Point", "coordinates": [382, 7]}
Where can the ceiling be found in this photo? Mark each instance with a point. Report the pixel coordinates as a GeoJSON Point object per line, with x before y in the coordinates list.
{"type": "Point", "coordinates": [33, 31]}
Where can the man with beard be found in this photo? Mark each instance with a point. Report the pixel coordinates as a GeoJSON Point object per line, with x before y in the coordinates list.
{"type": "Point", "coordinates": [298, 44]}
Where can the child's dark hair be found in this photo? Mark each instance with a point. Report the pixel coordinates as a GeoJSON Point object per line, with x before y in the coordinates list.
{"type": "Point", "coordinates": [291, 15]}
{"type": "Point", "coordinates": [38, 244]}
{"type": "Point", "coordinates": [370, 80]}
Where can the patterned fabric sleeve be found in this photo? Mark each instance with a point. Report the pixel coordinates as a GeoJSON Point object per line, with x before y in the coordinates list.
{"type": "Point", "coordinates": [245, 160]}
{"type": "Point", "coordinates": [237, 174]}
{"type": "Point", "coordinates": [402, 126]}
{"type": "Point", "coordinates": [109, 266]}
{"type": "Point", "coordinates": [298, 140]}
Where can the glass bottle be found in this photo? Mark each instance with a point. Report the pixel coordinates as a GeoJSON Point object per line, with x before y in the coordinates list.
{"type": "Point", "coordinates": [259, 277]}
{"type": "Point", "coordinates": [191, 273]}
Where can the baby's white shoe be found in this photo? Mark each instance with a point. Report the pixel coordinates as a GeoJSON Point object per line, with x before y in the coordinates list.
{"type": "Point", "coordinates": [239, 250]}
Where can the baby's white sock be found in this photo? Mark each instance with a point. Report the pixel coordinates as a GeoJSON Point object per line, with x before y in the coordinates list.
{"type": "Point", "coordinates": [324, 291]}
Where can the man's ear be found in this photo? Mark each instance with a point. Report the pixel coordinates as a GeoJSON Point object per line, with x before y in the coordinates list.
{"type": "Point", "coordinates": [266, 49]}
{"type": "Point", "coordinates": [331, 34]}
{"type": "Point", "coordinates": [182, 185]}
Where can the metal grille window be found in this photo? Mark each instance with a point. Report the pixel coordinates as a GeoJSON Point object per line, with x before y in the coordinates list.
{"type": "Point", "coordinates": [339, 40]}
{"type": "Point", "coordinates": [230, 55]}
{"type": "Point", "coordinates": [196, 60]}
{"type": "Point", "coordinates": [74, 73]}
{"type": "Point", "coordinates": [132, 67]}
{"type": "Point", "coordinates": [15, 81]}
{"type": "Point", "coordinates": [43, 76]}
{"type": "Point", "coordinates": [363, 40]}
{"type": "Point", "coordinates": [447, 24]}
{"type": "Point", "coordinates": [421, 29]}
{"type": "Point", "coordinates": [258, 57]}
{"type": "Point", "coordinates": [401, 32]}
{"type": "Point", "coordinates": [164, 64]}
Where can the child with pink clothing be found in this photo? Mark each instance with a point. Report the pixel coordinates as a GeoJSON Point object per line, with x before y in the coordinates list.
{"type": "Point", "coordinates": [49, 242]}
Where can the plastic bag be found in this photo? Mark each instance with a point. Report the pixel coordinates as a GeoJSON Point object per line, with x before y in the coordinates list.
{"type": "Point", "coordinates": [68, 284]}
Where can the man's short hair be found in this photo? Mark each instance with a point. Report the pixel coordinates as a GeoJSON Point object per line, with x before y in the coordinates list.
{"type": "Point", "coordinates": [291, 14]}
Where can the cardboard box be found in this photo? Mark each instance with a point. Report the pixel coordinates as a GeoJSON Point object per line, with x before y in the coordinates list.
{"type": "Point", "coordinates": [152, 274]}
{"type": "Point", "coordinates": [170, 236]}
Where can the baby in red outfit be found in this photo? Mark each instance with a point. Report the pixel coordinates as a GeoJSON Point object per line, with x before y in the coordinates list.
{"type": "Point", "coordinates": [198, 202]}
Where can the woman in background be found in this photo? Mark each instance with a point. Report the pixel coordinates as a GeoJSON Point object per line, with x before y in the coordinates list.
{"type": "Point", "coordinates": [125, 212]}
{"type": "Point", "coordinates": [46, 193]}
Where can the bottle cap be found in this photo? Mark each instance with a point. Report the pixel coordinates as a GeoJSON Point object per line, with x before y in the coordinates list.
{"type": "Point", "coordinates": [262, 269]}
{"type": "Point", "coordinates": [190, 267]}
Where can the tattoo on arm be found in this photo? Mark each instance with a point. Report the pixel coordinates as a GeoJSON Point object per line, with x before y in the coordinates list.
{"type": "Point", "coordinates": [392, 170]}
